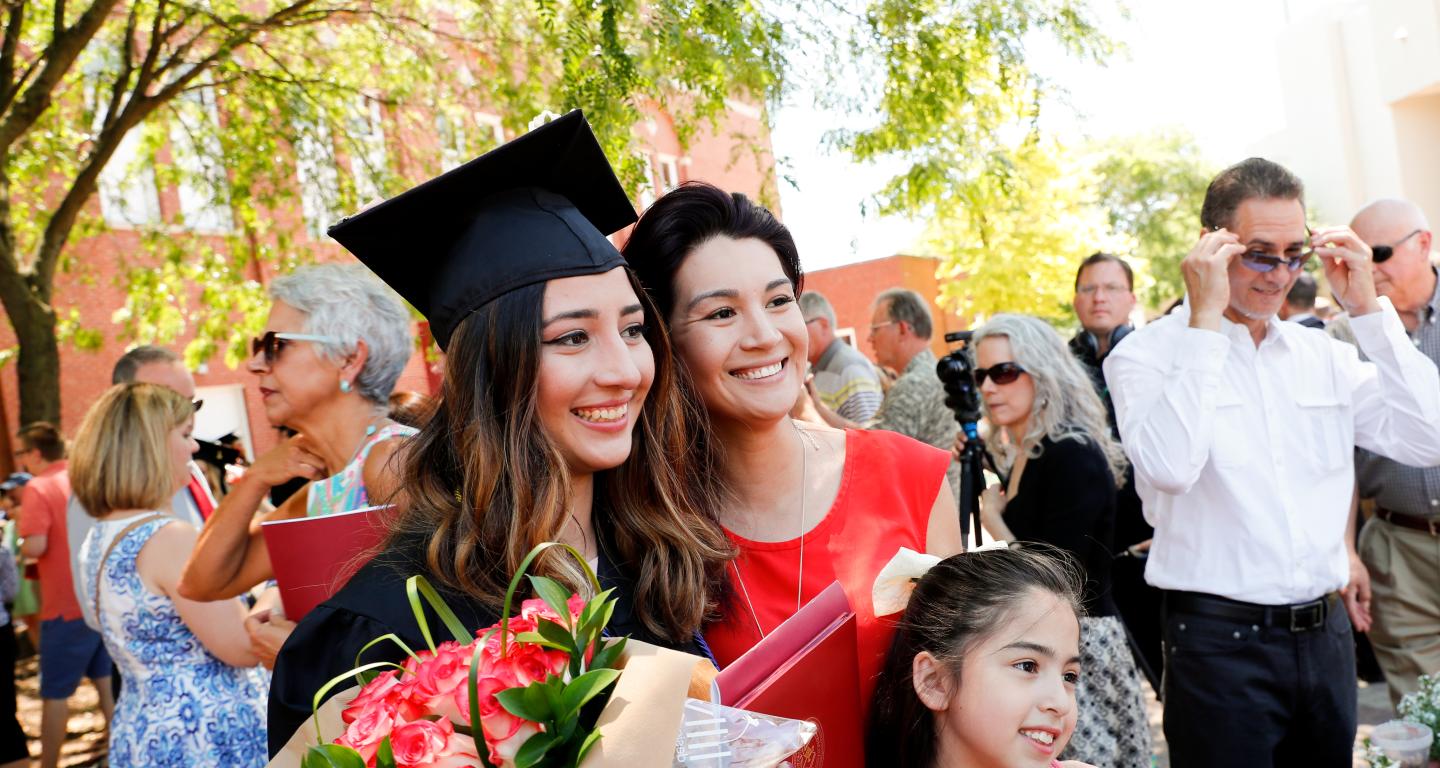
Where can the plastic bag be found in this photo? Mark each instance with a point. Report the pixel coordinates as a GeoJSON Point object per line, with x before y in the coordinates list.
{"type": "Point", "coordinates": [716, 736]}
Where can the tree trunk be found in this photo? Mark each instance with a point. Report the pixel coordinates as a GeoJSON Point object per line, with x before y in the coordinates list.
{"type": "Point", "coordinates": [39, 359]}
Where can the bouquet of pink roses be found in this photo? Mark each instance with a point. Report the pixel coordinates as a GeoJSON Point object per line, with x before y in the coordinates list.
{"type": "Point", "coordinates": [513, 694]}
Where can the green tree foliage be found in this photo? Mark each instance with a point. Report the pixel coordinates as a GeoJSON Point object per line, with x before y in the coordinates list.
{"type": "Point", "coordinates": [1011, 243]}
{"type": "Point", "coordinates": [230, 101]}
{"type": "Point", "coordinates": [1151, 187]}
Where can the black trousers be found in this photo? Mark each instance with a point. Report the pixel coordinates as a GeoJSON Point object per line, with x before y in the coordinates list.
{"type": "Point", "coordinates": [13, 745]}
{"type": "Point", "coordinates": [1249, 695]}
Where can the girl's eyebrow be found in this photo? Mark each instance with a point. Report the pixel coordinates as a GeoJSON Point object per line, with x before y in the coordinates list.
{"type": "Point", "coordinates": [1036, 648]}
{"type": "Point", "coordinates": [773, 284]}
{"type": "Point", "coordinates": [579, 314]}
{"type": "Point", "coordinates": [720, 293]}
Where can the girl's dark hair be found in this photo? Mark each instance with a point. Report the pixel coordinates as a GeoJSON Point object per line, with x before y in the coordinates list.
{"type": "Point", "coordinates": [689, 216]}
{"type": "Point", "coordinates": [959, 602]}
{"type": "Point", "coordinates": [485, 483]}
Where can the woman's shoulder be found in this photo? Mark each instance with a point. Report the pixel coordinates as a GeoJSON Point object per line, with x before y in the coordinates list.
{"type": "Point", "coordinates": [1072, 455]}
{"type": "Point", "coordinates": [903, 450]}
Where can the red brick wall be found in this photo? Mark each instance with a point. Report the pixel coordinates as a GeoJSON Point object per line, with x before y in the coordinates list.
{"type": "Point", "coordinates": [93, 288]}
{"type": "Point", "coordinates": [852, 288]}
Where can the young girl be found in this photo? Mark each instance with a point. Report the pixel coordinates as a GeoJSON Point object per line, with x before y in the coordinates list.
{"type": "Point", "coordinates": [984, 664]}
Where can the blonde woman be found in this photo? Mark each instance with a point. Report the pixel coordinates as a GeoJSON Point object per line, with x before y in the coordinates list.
{"type": "Point", "coordinates": [1064, 469]}
{"type": "Point", "coordinates": [193, 694]}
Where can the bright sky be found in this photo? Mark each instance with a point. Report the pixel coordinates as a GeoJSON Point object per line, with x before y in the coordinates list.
{"type": "Point", "coordinates": [1210, 68]}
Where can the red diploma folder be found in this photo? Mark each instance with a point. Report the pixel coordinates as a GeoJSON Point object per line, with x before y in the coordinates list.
{"type": "Point", "coordinates": [807, 669]}
{"type": "Point", "coordinates": [313, 557]}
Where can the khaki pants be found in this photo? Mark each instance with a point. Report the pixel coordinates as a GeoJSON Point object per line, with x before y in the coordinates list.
{"type": "Point", "coordinates": [1404, 567]}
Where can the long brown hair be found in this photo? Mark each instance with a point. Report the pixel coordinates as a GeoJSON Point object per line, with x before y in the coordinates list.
{"type": "Point", "coordinates": [485, 483]}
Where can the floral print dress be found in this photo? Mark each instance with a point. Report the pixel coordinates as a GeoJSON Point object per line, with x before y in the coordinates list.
{"type": "Point", "coordinates": [179, 705]}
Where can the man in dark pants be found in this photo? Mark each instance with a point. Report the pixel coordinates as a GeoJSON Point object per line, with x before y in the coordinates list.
{"type": "Point", "coordinates": [1242, 431]}
{"type": "Point", "coordinates": [1104, 299]}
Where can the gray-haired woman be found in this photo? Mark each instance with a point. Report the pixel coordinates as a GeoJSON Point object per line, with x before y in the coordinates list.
{"type": "Point", "coordinates": [1064, 468]}
{"type": "Point", "coordinates": [334, 346]}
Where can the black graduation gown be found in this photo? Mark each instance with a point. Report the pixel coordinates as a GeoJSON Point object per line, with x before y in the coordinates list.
{"type": "Point", "coordinates": [373, 603]}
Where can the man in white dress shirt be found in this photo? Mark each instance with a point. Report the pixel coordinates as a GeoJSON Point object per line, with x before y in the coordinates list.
{"type": "Point", "coordinates": [1242, 430]}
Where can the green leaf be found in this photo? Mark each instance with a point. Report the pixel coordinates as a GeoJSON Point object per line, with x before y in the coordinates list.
{"type": "Point", "coordinates": [555, 633]}
{"type": "Point", "coordinates": [334, 681]}
{"type": "Point", "coordinates": [525, 704]}
{"type": "Point", "coordinates": [391, 637]}
{"type": "Point", "coordinates": [533, 750]}
{"type": "Point", "coordinates": [601, 618]}
{"type": "Point", "coordinates": [585, 746]}
{"type": "Point", "coordinates": [586, 687]}
{"type": "Point", "coordinates": [332, 756]}
{"type": "Point", "coordinates": [554, 596]}
{"type": "Point", "coordinates": [535, 638]}
{"type": "Point", "coordinates": [417, 587]}
{"type": "Point", "coordinates": [385, 755]}
{"type": "Point", "coordinates": [608, 656]}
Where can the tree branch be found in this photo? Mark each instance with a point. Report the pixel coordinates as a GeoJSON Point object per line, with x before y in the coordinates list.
{"type": "Point", "coordinates": [127, 66]}
{"type": "Point", "coordinates": [58, 57]}
{"type": "Point", "coordinates": [13, 27]}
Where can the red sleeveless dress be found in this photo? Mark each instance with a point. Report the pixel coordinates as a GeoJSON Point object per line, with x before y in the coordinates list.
{"type": "Point", "coordinates": [887, 489]}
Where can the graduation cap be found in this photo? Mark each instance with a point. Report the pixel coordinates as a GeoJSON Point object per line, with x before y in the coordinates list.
{"type": "Point", "coordinates": [535, 209]}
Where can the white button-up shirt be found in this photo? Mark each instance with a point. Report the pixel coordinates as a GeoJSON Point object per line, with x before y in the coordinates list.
{"type": "Point", "coordinates": [1244, 455]}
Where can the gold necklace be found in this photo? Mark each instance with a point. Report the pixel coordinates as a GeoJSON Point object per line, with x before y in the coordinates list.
{"type": "Point", "coordinates": [800, 574]}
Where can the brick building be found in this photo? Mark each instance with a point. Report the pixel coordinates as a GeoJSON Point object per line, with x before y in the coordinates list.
{"type": "Point", "coordinates": [851, 290]}
{"type": "Point", "coordinates": [232, 403]}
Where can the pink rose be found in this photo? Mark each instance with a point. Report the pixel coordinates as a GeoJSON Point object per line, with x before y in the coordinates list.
{"type": "Point", "coordinates": [388, 690]}
{"type": "Point", "coordinates": [436, 675]}
{"type": "Point", "coordinates": [502, 751]}
{"type": "Point", "coordinates": [370, 727]}
{"type": "Point", "coordinates": [459, 752]}
{"type": "Point", "coordinates": [421, 742]}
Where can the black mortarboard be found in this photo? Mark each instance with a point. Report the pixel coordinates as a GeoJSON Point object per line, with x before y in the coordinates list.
{"type": "Point", "coordinates": [535, 209]}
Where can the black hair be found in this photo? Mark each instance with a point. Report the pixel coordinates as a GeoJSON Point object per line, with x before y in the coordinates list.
{"type": "Point", "coordinates": [1100, 257]}
{"type": "Point", "coordinates": [1255, 178]}
{"type": "Point", "coordinates": [954, 607]}
{"type": "Point", "coordinates": [1302, 293]}
{"type": "Point", "coordinates": [689, 216]}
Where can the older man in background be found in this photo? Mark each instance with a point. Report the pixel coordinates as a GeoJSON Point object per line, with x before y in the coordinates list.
{"type": "Point", "coordinates": [845, 381]}
{"type": "Point", "coordinates": [1400, 545]}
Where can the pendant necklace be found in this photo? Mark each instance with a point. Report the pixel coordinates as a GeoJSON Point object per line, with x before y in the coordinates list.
{"type": "Point", "coordinates": [800, 573]}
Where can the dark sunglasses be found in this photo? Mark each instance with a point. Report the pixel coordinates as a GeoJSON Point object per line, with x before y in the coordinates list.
{"type": "Point", "coordinates": [1384, 252]}
{"type": "Point", "coordinates": [1001, 374]}
{"type": "Point", "coordinates": [1260, 261]}
{"type": "Point", "coordinates": [272, 343]}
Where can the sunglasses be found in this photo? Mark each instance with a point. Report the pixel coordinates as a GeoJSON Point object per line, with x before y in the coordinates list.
{"type": "Point", "coordinates": [273, 343]}
{"type": "Point", "coordinates": [1384, 252]}
{"type": "Point", "coordinates": [1001, 374]}
{"type": "Point", "coordinates": [1260, 261]}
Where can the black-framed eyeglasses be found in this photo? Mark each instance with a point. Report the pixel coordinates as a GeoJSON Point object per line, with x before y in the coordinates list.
{"type": "Point", "coordinates": [1000, 373]}
{"type": "Point", "coordinates": [1382, 253]}
{"type": "Point", "coordinates": [270, 345]}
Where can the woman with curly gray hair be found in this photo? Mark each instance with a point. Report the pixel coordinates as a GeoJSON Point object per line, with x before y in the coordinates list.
{"type": "Point", "coordinates": [1064, 467]}
{"type": "Point", "coordinates": [335, 344]}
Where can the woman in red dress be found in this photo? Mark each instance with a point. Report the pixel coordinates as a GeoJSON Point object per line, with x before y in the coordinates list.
{"type": "Point", "coordinates": [807, 504]}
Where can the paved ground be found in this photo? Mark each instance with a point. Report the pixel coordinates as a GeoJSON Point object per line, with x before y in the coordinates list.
{"type": "Point", "coordinates": [1374, 709]}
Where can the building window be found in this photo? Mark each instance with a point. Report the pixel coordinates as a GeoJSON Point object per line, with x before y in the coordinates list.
{"type": "Point", "coordinates": [492, 132]}
{"type": "Point", "coordinates": [318, 176]}
{"type": "Point", "coordinates": [203, 184]}
{"type": "Point", "coordinates": [669, 173]}
{"type": "Point", "coordinates": [368, 164]}
{"type": "Point", "coordinates": [646, 194]}
{"type": "Point", "coordinates": [129, 196]}
{"type": "Point", "coordinates": [451, 137]}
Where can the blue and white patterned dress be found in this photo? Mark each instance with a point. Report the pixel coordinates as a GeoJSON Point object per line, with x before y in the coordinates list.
{"type": "Point", "coordinates": [179, 705]}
